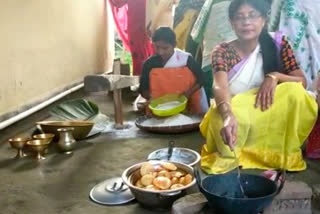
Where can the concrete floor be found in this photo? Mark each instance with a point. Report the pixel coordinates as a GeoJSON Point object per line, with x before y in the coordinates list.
{"type": "Point", "coordinates": [61, 183]}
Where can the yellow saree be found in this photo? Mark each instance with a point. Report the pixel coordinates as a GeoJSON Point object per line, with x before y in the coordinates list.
{"type": "Point", "coordinates": [265, 140]}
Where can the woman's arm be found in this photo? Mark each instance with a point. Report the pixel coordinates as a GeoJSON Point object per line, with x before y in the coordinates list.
{"type": "Point", "coordinates": [291, 71]}
{"type": "Point", "coordinates": [265, 95]}
{"type": "Point", "coordinates": [293, 76]}
{"type": "Point", "coordinates": [220, 66]}
{"type": "Point", "coordinates": [222, 93]}
{"type": "Point", "coordinates": [144, 79]}
{"type": "Point", "coordinates": [193, 89]}
{"type": "Point", "coordinates": [223, 101]}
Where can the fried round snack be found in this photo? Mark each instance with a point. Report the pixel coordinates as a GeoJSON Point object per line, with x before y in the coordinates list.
{"type": "Point", "coordinates": [169, 166]}
{"type": "Point", "coordinates": [165, 176]}
{"type": "Point", "coordinates": [146, 168]}
{"type": "Point", "coordinates": [176, 186]}
{"type": "Point", "coordinates": [188, 179]}
{"type": "Point", "coordinates": [152, 187]}
{"type": "Point", "coordinates": [181, 180]}
{"type": "Point", "coordinates": [139, 184]}
{"type": "Point", "coordinates": [158, 168]}
{"type": "Point", "coordinates": [147, 179]}
{"type": "Point", "coordinates": [174, 180]}
{"type": "Point", "coordinates": [162, 182]}
{"type": "Point", "coordinates": [176, 174]}
{"type": "Point", "coordinates": [164, 173]}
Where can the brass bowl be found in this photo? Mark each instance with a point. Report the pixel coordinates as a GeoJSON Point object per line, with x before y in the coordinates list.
{"type": "Point", "coordinates": [47, 136]}
{"type": "Point", "coordinates": [39, 146]}
{"type": "Point", "coordinates": [44, 136]}
{"type": "Point", "coordinates": [18, 143]}
{"type": "Point", "coordinates": [81, 128]}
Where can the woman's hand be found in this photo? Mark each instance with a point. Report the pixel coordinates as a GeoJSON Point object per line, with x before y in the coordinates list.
{"type": "Point", "coordinates": [264, 98]}
{"type": "Point", "coordinates": [187, 94]}
{"type": "Point", "coordinates": [148, 111]}
{"type": "Point", "coordinates": [229, 130]}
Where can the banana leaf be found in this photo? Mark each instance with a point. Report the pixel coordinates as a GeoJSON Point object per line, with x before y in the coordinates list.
{"type": "Point", "coordinates": [79, 109]}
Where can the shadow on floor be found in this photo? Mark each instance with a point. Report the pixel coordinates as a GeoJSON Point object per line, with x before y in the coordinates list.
{"type": "Point", "coordinates": [28, 163]}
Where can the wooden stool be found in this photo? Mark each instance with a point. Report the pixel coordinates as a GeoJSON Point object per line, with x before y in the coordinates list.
{"type": "Point", "coordinates": [112, 82]}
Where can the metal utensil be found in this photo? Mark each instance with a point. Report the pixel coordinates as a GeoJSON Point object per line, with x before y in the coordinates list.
{"type": "Point", "coordinates": [155, 199]}
{"type": "Point", "coordinates": [81, 128]}
{"type": "Point", "coordinates": [170, 149]}
{"type": "Point", "coordinates": [66, 141]}
{"type": "Point", "coordinates": [42, 136]}
{"type": "Point", "coordinates": [18, 143]}
{"type": "Point", "coordinates": [239, 175]}
{"type": "Point", "coordinates": [180, 155]}
{"type": "Point", "coordinates": [39, 145]}
{"type": "Point", "coordinates": [111, 192]}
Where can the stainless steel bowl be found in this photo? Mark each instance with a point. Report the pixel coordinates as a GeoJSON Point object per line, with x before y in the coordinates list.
{"type": "Point", "coordinates": [176, 154]}
{"type": "Point", "coordinates": [155, 199]}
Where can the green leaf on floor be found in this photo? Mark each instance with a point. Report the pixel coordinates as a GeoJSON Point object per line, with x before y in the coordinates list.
{"type": "Point", "coordinates": [79, 109]}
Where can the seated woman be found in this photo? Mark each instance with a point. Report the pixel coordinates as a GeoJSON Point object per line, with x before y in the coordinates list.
{"type": "Point", "coordinates": [262, 110]}
{"type": "Point", "coordinates": [172, 71]}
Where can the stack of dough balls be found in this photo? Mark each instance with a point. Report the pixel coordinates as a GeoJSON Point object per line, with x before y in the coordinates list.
{"type": "Point", "coordinates": [165, 176]}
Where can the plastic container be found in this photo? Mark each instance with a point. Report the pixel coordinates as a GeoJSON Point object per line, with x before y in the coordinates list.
{"type": "Point", "coordinates": [165, 99]}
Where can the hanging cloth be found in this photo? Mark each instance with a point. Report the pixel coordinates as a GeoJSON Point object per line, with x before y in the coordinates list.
{"type": "Point", "coordinates": [130, 18]}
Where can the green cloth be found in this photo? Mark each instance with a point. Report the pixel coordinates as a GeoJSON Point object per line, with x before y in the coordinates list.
{"type": "Point", "coordinates": [192, 48]}
{"type": "Point", "coordinates": [275, 15]}
{"type": "Point", "coordinates": [208, 86]}
{"type": "Point", "coordinates": [202, 20]}
{"type": "Point", "coordinates": [197, 34]}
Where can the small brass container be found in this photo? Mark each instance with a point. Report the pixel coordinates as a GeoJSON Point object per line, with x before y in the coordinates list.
{"type": "Point", "coordinates": [19, 143]}
{"type": "Point", "coordinates": [39, 146]}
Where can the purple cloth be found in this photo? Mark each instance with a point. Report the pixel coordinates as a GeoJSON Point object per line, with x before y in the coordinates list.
{"type": "Point", "coordinates": [234, 70]}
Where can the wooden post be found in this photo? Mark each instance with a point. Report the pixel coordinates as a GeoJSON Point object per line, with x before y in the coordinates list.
{"type": "Point", "coordinates": [118, 108]}
{"type": "Point", "coordinates": [118, 116]}
{"type": "Point", "coordinates": [116, 66]}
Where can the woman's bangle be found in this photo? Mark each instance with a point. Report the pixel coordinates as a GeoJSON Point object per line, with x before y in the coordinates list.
{"type": "Point", "coordinates": [224, 112]}
{"type": "Point", "coordinates": [272, 76]}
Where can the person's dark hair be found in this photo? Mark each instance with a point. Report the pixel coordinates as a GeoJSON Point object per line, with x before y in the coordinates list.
{"type": "Point", "coordinates": [268, 47]}
{"type": "Point", "coordinates": [165, 34]}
